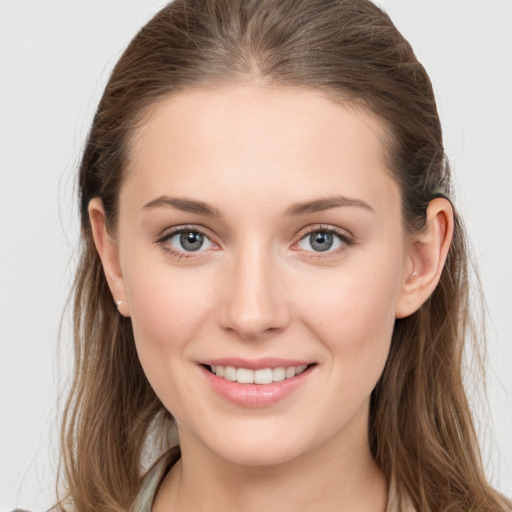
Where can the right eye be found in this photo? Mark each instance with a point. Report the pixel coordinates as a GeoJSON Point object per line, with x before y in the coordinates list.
{"type": "Point", "coordinates": [186, 240]}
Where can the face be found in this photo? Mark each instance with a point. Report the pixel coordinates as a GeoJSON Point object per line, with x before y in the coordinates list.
{"type": "Point", "coordinates": [260, 238]}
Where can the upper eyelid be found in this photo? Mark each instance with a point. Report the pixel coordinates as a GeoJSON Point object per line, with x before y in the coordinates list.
{"type": "Point", "coordinates": [169, 232]}
{"type": "Point", "coordinates": [343, 233]}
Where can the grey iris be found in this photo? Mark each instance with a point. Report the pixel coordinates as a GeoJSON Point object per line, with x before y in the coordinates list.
{"type": "Point", "coordinates": [321, 240]}
{"type": "Point", "coordinates": [191, 240]}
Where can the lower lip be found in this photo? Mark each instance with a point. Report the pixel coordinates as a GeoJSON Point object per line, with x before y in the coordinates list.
{"type": "Point", "coordinates": [255, 395]}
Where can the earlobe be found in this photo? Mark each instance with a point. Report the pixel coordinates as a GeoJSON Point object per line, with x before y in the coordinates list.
{"type": "Point", "coordinates": [108, 252]}
{"type": "Point", "coordinates": [427, 254]}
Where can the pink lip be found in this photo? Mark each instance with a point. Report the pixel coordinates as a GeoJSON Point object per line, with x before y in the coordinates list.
{"type": "Point", "coordinates": [255, 395]}
{"type": "Point", "coordinates": [255, 364]}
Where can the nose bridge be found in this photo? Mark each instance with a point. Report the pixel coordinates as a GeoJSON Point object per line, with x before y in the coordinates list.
{"type": "Point", "coordinates": [253, 301]}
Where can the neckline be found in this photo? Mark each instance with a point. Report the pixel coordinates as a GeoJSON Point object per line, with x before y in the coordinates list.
{"type": "Point", "coordinates": [156, 474]}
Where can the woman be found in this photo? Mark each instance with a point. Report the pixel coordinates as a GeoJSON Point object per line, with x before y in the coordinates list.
{"type": "Point", "coordinates": [273, 265]}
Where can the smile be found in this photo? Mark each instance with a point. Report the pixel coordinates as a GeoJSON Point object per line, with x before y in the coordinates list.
{"type": "Point", "coordinates": [256, 383]}
{"type": "Point", "coordinates": [260, 376]}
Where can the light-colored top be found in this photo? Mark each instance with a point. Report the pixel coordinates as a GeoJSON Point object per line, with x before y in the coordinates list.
{"type": "Point", "coordinates": [156, 474]}
{"type": "Point", "coordinates": [153, 479]}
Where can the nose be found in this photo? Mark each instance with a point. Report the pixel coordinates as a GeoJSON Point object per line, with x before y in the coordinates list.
{"type": "Point", "coordinates": [254, 301]}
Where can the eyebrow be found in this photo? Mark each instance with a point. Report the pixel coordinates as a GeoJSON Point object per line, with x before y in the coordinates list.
{"type": "Point", "coordinates": [326, 203]}
{"type": "Point", "coordinates": [296, 209]}
{"type": "Point", "coordinates": [185, 205]}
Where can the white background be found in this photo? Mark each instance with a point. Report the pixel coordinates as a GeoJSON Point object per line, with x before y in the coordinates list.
{"type": "Point", "coordinates": [55, 57]}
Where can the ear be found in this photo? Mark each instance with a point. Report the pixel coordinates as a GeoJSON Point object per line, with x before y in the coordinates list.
{"type": "Point", "coordinates": [107, 249]}
{"type": "Point", "coordinates": [426, 257]}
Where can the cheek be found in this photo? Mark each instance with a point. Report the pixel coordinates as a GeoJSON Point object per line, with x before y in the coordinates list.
{"type": "Point", "coordinates": [354, 316]}
{"type": "Point", "coordinates": [167, 308]}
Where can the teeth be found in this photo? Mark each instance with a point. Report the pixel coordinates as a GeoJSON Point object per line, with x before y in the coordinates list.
{"type": "Point", "coordinates": [278, 374]}
{"type": "Point", "coordinates": [290, 372]}
{"type": "Point", "coordinates": [262, 376]}
{"type": "Point", "coordinates": [245, 376]}
{"type": "Point", "coordinates": [230, 373]}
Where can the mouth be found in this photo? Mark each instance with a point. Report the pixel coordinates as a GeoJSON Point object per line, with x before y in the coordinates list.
{"type": "Point", "coordinates": [260, 376]}
{"type": "Point", "coordinates": [265, 384]}
{"type": "Point", "coordinates": [256, 383]}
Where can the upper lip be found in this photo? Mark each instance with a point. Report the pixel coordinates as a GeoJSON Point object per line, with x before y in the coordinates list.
{"type": "Point", "coordinates": [255, 364]}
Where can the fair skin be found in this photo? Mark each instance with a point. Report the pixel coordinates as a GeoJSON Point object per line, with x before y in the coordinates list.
{"type": "Point", "coordinates": [266, 273]}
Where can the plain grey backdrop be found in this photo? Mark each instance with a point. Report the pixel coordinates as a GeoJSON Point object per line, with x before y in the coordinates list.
{"type": "Point", "coordinates": [55, 57]}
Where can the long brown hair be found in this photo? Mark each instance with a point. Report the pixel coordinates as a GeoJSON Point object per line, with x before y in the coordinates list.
{"type": "Point", "coordinates": [420, 429]}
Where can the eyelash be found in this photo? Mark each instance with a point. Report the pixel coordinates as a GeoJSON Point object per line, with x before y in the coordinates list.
{"type": "Point", "coordinates": [163, 241]}
{"type": "Point", "coordinates": [345, 239]}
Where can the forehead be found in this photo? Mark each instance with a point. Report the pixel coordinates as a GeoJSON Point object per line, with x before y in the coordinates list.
{"type": "Point", "coordinates": [257, 140]}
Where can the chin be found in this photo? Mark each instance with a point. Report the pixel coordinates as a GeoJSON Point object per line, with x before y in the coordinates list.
{"type": "Point", "coordinates": [259, 456]}
{"type": "Point", "coordinates": [259, 449]}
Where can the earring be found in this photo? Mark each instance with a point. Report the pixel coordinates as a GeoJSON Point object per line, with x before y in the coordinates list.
{"type": "Point", "coordinates": [118, 303]}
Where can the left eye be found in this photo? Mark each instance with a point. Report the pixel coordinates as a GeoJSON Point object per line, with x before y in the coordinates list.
{"type": "Point", "coordinates": [321, 241]}
{"type": "Point", "coordinates": [189, 241]}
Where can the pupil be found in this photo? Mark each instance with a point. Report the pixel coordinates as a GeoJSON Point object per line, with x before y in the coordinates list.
{"type": "Point", "coordinates": [321, 241]}
{"type": "Point", "coordinates": [191, 241]}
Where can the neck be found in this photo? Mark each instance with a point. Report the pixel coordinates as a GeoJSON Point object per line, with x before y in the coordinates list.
{"type": "Point", "coordinates": [339, 475]}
